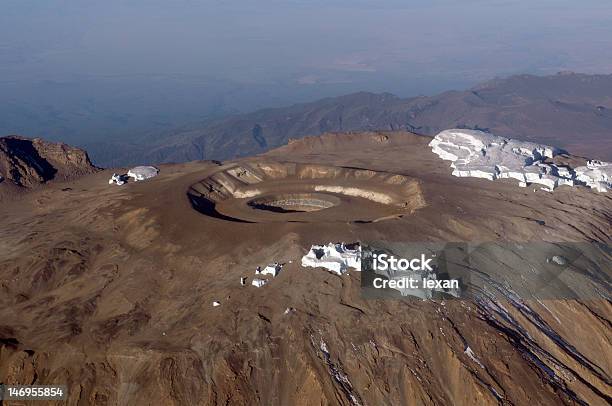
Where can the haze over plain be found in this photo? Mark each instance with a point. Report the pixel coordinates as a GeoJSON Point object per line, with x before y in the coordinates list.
{"type": "Point", "coordinates": [85, 73]}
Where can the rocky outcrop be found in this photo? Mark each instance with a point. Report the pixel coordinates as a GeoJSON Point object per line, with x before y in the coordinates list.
{"type": "Point", "coordinates": [26, 162]}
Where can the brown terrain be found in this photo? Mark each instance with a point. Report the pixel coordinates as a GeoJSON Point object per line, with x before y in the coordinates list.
{"type": "Point", "coordinates": [109, 289]}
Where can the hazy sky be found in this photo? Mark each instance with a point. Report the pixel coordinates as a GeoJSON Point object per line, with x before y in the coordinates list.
{"type": "Point", "coordinates": [276, 52]}
{"type": "Point", "coordinates": [304, 41]}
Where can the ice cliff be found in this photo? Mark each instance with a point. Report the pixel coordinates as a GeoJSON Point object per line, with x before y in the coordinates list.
{"type": "Point", "coordinates": [143, 172]}
{"type": "Point", "coordinates": [137, 173]}
{"type": "Point", "coordinates": [482, 155]}
{"type": "Point", "coordinates": [336, 258]}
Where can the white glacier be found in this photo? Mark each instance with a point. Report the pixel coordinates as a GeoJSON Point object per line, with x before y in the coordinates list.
{"type": "Point", "coordinates": [336, 258]}
{"type": "Point", "coordinates": [259, 282]}
{"type": "Point", "coordinates": [137, 173]}
{"type": "Point", "coordinates": [272, 269]}
{"type": "Point", "coordinates": [482, 155]}
{"type": "Point", "coordinates": [143, 172]}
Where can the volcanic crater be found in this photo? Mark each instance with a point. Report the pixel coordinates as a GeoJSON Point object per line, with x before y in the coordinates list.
{"type": "Point", "coordinates": [111, 289]}
{"type": "Point", "coordinates": [258, 192]}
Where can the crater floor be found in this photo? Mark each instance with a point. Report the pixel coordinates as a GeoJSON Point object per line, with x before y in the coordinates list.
{"type": "Point", "coordinates": [273, 191]}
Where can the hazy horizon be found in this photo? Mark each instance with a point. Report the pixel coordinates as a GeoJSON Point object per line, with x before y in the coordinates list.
{"type": "Point", "coordinates": [87, 72]}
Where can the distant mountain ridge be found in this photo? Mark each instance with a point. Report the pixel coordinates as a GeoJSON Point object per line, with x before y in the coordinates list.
{"type": "Point", "coordinates": [569, 110]}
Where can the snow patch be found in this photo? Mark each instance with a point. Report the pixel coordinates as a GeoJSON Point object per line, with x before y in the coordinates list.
{"type": "Point", "coordinates": [336, 258]}
{"type": "Point", "coordinates": [468, 351]}
{"type": "Point", "coordinates": [143, 172]}
{"type": "Point", "coordinates": [559, 260]}
{"type": "Point", "coordinates": [337, 372]}
{"type": "Point", "coordinates": [272, 269]}
{"type": "Point", "coordinates": [137, 173]}
{"type": "Point", "coordinates": [259, 282]}
{"type": "Point", "coordinates": [117, 179]}
{"type": "Point", "coordinates": [482, 155]}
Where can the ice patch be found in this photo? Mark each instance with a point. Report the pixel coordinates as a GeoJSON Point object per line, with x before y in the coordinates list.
{"type": "Point", "coordinates": [559, 260]}
{"type": "Point", "coordinates": [117, 179]}
{"type": "Point", "coordinates": [596, 174]}
{"type": "Point", "coordinates": [336, 258]}
{"type": "Point", "coordinates": [137, 173]}
{"type": "Point", "coordinates": [143, 172]}
{"type": "Point", "coordinates": [272, 269]}
{"type": "Point", "coordinates": [337, 372]}
{"type": "Point", "coordinates": [481, 155]}
{"type": "Point", "coordinates": [468, 351]}
{"type": "Point", "coordinates": [259, 282]}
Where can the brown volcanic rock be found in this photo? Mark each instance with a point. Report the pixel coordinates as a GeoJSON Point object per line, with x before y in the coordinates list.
{"type": "Point", "coordinates": [29, 162]}
{"type": "Point", "coordinates": [109, 290]}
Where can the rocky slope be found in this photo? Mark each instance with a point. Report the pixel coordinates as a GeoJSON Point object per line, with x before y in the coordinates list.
{"type": "Point", "coordinates": [110, 289]}
{"type": "Point", "coordinates": [26, 162]}
{"type": "Point", "coordinates": [571, 111]}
